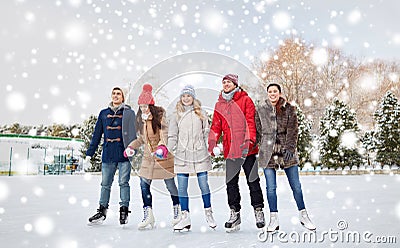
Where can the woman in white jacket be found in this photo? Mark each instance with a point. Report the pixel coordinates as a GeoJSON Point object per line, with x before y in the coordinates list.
{"type": "Point", "coordinates": [187, 138]}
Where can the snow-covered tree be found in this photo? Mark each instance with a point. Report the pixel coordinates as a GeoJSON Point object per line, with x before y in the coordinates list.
{"type": "Point", "coordinates": [217, 162]}
{"type": "Point", "coordinates": [137, 159]}
{"type": "Point", "coordinates": [339, 136]}
{"type": "Point", "coordinates": [86, 133]}
{"type": "Point", "coordinates": [369, 144]}
{"type": "Point", "coordinates": [387, 130]}
{"type": "Point", "coordinates": [304, 142]}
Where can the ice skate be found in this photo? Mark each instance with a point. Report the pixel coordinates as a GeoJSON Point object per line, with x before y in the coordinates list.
{"type": "Point", "coordinates": [177, 214]}
{"type": "Point", "coordinates": [273, 225]}
{"type": "Point", "coordinates": [99, 217]}
{"type": "Point", "coordinates": [260, 220]}
{"type": "Point", "coordinates": [305, 220]}
{"type": "Point", "coordinates": [148, 219]}
{"type": "Point", "coordinates": [184, 223]}
{"type": "Point", "coordinates": [123, 215]}
{"type": "Point", "coordinates": [233, 224]}
{"type": "Point", "coordinates": [209, 218]}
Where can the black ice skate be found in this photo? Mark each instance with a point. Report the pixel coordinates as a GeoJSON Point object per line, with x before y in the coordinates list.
{"type": "Point", "coordinates": [99, 217]}
{"type": "Point", "coordinates": [233, 224]}
{"type": "Point", "coordinates": [260, 220]}
{"type": "Point", "coordinates": [123, 215]}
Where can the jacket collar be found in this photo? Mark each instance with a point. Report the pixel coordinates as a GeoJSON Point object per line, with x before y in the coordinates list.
{"type": "Point", "coordinates": [239, 94]}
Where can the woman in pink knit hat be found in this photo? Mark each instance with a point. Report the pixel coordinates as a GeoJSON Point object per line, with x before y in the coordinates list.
{"type": "Point", "coordinates": [157, 162]}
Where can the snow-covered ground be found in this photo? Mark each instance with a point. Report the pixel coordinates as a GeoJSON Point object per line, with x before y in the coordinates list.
{"type": "Point", "coordinates": [52, 211]}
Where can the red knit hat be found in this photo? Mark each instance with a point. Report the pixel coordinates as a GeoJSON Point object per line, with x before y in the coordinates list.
{"type": "Point", "coordinates": [146, 97]}
{"type": "Point", "coordinates": [232, 77]}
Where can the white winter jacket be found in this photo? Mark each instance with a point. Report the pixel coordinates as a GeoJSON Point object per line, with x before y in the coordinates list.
{"type": "Point", "coordinates": [187, 140]}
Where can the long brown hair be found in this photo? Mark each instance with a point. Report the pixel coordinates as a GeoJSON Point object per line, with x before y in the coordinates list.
{"type": "Point", "coordinates": [157, 113]}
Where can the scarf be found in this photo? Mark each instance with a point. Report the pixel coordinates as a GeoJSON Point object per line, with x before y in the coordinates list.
{"type": "Point", "coordinates": [229, 96]}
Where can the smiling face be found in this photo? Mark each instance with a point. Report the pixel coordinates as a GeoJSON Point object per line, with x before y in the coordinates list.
{"type": "Point", "coordinates": [228, 86]}
{"type": "Point", "coordinates": [117, 97]}
{"type": "Point", "coordinates": [273, 94]}
{"type": "Point", "coordinates": [144, 108]}
{"type": "Point", "coordinates": [187, 99]}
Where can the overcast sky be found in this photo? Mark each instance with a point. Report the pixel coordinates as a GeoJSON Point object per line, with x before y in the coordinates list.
{"type": "Point", "coordinates": [60, 59]}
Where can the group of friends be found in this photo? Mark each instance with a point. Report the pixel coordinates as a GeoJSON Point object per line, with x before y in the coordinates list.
{"type": "Point", "coordinates": [182, 143]}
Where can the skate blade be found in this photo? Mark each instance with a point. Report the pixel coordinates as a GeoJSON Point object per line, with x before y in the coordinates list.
{"type": "Point", "coordinates": [185, 229]}
{"type": "Point", "coordinates": [122, 224]}
{"type": "Point", "coordinates": [273, 231]}
{"type": "Point", "coordinates": [148, 227]}
{"type": "Point", "coordinates": [213, 227]}
{"type": "Point", "coordinates": [311, 230]}
{"type": "Point", "coordinates": [233, 229]}
{"type": "Point", "coordinates": [97, 223]}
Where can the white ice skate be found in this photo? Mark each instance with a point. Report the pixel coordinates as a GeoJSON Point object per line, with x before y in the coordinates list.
{"type": "Point", "coordinates": [273, 225]}
{"type": "Point", "coordinates": [305, 220]}
{"type": "Point", "coordinates": [177, 214]}
{"type": "Point", "coordinates": [184, 223]}
{"type": "Point", "coordinates": [148, 219]}
{"type": "Point", "coordinates": [209, 218]}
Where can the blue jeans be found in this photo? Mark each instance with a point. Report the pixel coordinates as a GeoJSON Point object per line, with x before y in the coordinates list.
{"type": "Point", "coordinates": [292, 173]}
{"type": "Point", "coordinates": [107, 177]}
{"type": "Point", "coordinates": [146, 194]}
{"type": "Point", "coordinates": [202, 179]}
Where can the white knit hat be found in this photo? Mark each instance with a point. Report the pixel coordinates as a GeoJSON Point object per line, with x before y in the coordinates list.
{"type": "Point", "coordinates": [189, 89]}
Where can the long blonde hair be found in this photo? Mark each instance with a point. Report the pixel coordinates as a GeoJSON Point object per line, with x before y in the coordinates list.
{"type": "Point", "coordinates": [196, 106]}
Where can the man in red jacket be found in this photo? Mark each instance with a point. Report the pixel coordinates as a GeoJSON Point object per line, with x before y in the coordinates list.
{"type": "Point", "coordinates": [234, 117]}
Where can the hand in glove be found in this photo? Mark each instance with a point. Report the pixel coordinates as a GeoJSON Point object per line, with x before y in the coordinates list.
{"type": "Point", "coordinates": [129, 152]}
{"type": "Point", "coordinates": [245, 147]}
{"type": "Point", "coordinates": [161, 152]}
{"type": "Point", "coordinates": [86, 163]}
{"type": "Point", "coordinates": [287, 155]}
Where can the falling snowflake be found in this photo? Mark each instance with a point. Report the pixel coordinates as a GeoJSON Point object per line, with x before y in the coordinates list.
{"type": "Point", "coordinates": [44, 226]}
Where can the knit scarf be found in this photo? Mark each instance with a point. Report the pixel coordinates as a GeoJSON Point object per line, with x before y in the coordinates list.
{"type": "Point", "coordinates": [116, 108]}
{"type": "Point", "coordinates": [229, 96]}
{"type": "Point", "coordinates": [186, 108]}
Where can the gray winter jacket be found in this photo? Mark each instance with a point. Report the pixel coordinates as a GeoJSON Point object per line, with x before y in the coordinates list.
{"type": "Point", "coordinates": [187, 140]}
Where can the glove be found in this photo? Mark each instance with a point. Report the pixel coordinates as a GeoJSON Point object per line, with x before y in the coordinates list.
{"type": "Point", "coordinates": [86, 163]}
{"type": "Point", "coordinates": [245, 147]}
{"type": "Point", "coordinates": [287, 155]}
{"type": "Point", "coordinates": [129, 152]}
{"type": "Point", "coordinates": [216, 151]}
{"type": "Point", "coordinates": [161, 152]}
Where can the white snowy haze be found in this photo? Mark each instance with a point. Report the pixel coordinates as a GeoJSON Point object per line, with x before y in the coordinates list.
{"type": "Point", "coordinates": [60, 59]}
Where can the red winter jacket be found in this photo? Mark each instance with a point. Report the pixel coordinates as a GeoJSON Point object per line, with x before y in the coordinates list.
{"type": "Point", "coordinates": [236, 120]}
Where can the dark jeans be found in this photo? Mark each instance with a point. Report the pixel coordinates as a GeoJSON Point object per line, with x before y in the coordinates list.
{"type": "Point", "coordinates": [146, 193]}
{"type": "Point", "coordinates": [233, 167]}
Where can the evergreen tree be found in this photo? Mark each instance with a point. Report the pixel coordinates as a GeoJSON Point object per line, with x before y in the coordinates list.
{"type": "Point", "coordinates": [338, 138]}
{"type": "Point", "coordinates": [86, 133]}
{"type": "Point", "coordinates": [304, 142]}
{"type": "Point", "coordinates": [387, 130]}
{"type": "Point", "coordinates": [136, 160]}
{"type": "Point", "coordinates": [217, 161]}
{"type": "Point", "coordinates": [369, 145]}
